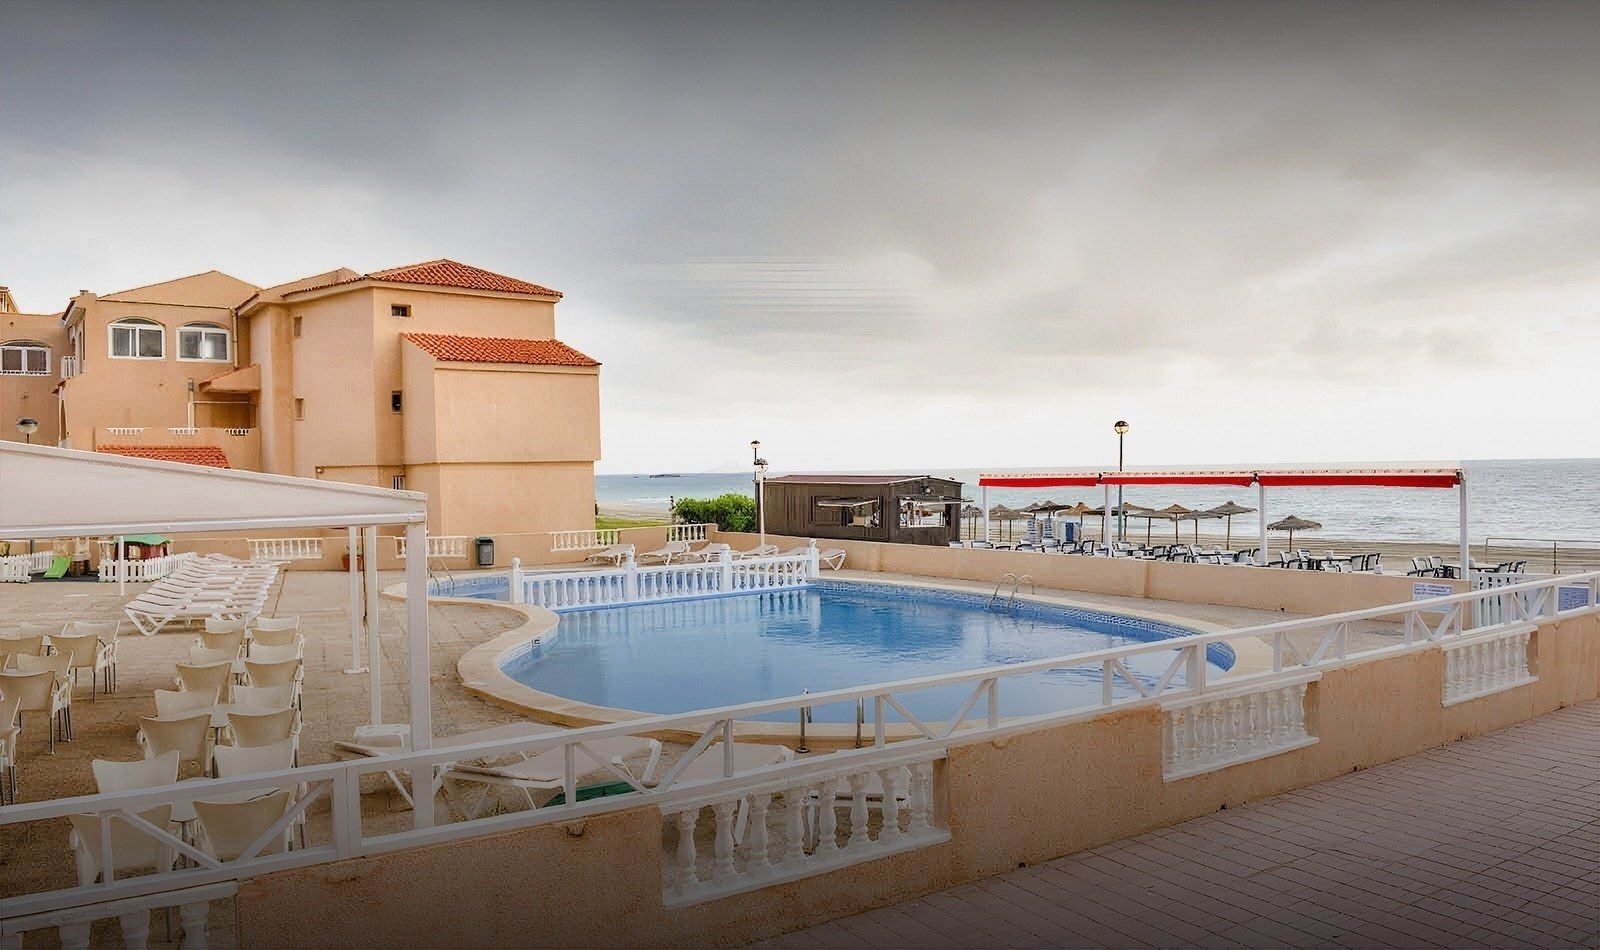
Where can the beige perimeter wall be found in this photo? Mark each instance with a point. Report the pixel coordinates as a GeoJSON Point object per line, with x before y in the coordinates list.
{"type": "Point", "coordinates": [1020, 799]}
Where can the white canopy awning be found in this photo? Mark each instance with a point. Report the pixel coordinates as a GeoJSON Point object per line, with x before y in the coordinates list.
{"type": "Point", "coordinates": [47, 492]}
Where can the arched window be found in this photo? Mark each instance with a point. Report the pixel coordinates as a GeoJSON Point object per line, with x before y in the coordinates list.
{"type": "Point", "coordinates": [203, 341]}
{"type": "Point", "coordinates": [24, 358]}
{"type": "Point", "coordinates": [134, 338]}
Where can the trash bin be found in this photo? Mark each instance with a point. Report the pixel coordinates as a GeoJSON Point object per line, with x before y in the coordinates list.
{"type": "Point", "coordinates": [485, 550]}
{"type": "Point", "coordinates": [1069, 532]}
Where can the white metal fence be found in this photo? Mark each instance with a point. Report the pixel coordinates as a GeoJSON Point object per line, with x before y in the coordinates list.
{"type": "Point", "coordinates": [439, 546]}
{"type": "Point", "coordinates": [140, 571]}
{"type": "Point", "coordinates": [583, 540]}
{"type": "Point", "coordinates": [20, 568]}
{"type": "Point", "coordinates": [689, 532]}
{"type": "Point", "coordinates": [632, 584]}
{"type": "Point", "coordinates": [285, 549]}
{"type": "Point", "coordinates": [1219, 732]}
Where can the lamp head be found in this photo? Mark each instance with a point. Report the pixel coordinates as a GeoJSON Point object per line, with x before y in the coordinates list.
{"type": "Point", "coordinates": [27, 425]}
{"type": "Point", "coordinates": [1121, 427]}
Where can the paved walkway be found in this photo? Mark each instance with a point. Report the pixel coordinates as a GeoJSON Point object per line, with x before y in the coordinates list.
{"type": "Point", "coordinates": [1493, 841]}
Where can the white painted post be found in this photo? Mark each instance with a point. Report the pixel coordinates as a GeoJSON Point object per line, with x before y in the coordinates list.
{"type": "Point", "coordinates": [1261, 506]}
{"type": "Point", "coordinates": [1466, 548]}
{"type": "Point", "coordinates": [985, 513]}
{"type": "Point", "coordinates": [1105, 522]}
{"type": "Point", "coordinates": [122, 565]}
{"type": "Point", "coordinates": [369, 556]}
{"type": "Point", "coordinates": [725, 571]}
{"type": "Point", "coordinates": [630, 579]}
{"type": "Point", "coordinates": [418, 654]}
{"type": "Point", "coordinates": [356, 667]}
{"type": "Point", "coordinates": [516, 580]}
{"type": "Point", "coordinates": [813, 560]}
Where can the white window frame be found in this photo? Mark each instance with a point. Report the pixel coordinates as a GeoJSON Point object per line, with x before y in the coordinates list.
{"type": "Point", "coordinates": [24, 347]}
{"type": "Point", "coordinates": [202, 329]}
{"type": "Point", "coordinates": [137, 324]}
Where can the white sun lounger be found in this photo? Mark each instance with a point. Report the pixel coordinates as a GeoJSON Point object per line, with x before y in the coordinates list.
{"type": "Point", "coordinates": [665, 553]}
{"type": "Point", "coordinates": [760, 550]}
{"type": "Point", "coordinates": [546, 771]}
{"type": "Point", "coordinates": [833, 557]}
{"type": "Point", "coordinates": [516, 730]}
{"type": "Point", "coordinates": [707, 553]}
{"type": "Point", "coordinates": [616, 554]}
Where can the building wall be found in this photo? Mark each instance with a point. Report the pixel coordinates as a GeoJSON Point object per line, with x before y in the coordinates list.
{"type": "Point", "coordinates": [32, 396]}
{"type": "Point", "coordinates": [1025, 798]}
{"type": "Point", "coordinates": [500, 413]}
{"type": "Point", "coordinates": [492, 497]}
{"type": "Point", "coordinates": [332, 369]}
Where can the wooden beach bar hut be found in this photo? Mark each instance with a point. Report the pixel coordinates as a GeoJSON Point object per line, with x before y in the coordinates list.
{"type": "Point", "coordinates": [900, 509]}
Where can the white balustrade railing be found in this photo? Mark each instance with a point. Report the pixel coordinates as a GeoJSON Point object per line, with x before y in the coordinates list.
{"type": "Point", "coordinates": [141, 571]}
{"type": "Point", "coordinates": [632, 584]}
{"type": "Point", "coordinates": [439, 546]}
{"type": "Point", "coordinates": [583, 539]}
{"type": "Point", "coordinates": [183, 430]}
{"type": "Point", "coordinates": [808, 836]}
{"type": "Point", "coordinates": [1218, 729]}
{"type": "Point", "coordinates": [237, 432]}
{"type": "Point", "coordinates": [1483, 664]}
{"type": "Point", "coordinates": [285, 549]}
{"type": "Point", "coordinates": [125, 430]}
{"type": "Point", "coordinates": [688, 532]}
{"type": "Point", "coordinates": [1411, 626]}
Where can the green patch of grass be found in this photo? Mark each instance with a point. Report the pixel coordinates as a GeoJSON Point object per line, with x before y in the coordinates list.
{"type": "Point", "coordinates": [603, 523]}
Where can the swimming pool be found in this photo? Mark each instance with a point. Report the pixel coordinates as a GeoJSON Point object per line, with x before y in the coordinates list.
{"type": "Point", "coordinates": [698, 654]}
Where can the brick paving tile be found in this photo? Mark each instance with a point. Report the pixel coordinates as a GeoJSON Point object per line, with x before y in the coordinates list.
{"type": "Point", "coordinates": [1491, 841]}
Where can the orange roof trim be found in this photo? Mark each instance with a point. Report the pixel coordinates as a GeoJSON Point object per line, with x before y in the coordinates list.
{"type": "Point", "coordinates": [493, 349]}
{"type": "Point", "coordinates": [448, 273]}
{"type": "Point", "coordinates": [208, 455]}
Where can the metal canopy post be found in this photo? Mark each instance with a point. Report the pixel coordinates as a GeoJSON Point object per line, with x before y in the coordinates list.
{"type": "Point", "coordinates": [369, 560]}
{"type": "Point", "coordinates": [417, 657]}
{"type": "Point", "coordinates": [1466, 549]}
{"type": "Point", "coordinates": [985, 514]}
{"type": "Point", "coordinates": [122, 564]}
{"type": "Point", "coordinates": [355, 668]}
{"type": "Point", "coordinates": [1261, 507]}
{"type": "Point", "coordinates": [1105, 532]}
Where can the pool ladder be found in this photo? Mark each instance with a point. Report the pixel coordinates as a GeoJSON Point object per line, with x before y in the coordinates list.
{"type": "Point", "coordinates": [1016, 585]}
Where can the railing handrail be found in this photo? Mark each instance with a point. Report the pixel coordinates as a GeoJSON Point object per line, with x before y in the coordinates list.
{"type": "Point", "coordinates": [348, 840]}
{"type": "Point", "coordinates": [1593, 541]}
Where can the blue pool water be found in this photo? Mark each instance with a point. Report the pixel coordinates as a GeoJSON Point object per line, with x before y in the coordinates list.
{"type": "Point", "coordinates": [687, 655]}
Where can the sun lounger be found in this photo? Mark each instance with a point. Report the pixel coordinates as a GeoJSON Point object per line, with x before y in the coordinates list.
{"type": "Point", "coordinates": [833, 557]}
{"type": "Point", "coordinates": [402, 744]}
{"type": "Point", "coordinates": [665, 553]}
{"type": "Point", "coordinates": [706, 553]}
{"type": "Point", "coordinates": [546, 771]}
{"type": "Point", "coordinates": [616, 554]}
{"type": "Point", "coordinates": [760, 550]}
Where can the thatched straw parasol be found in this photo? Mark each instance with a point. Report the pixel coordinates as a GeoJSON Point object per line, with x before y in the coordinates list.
{"type": "Point", "coordinates": [1174, 513]}
{"type": "Point", "coordinates": [973, 512]}
{"type": "Point", "coordinates": [1008, 515]}
{"type": "Point", "coordinates": [1292, 524]}
{"type": "Point", "coordinates": [1196, 517]}
{"type": "Point", "coordinates": [1227, 510]}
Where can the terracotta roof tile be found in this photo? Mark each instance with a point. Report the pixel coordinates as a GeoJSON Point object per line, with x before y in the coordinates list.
{"type": "Point", "coordinates": [494, 349]}
{"type": "Point", "coordinates": [447, 273]}
{"type": "Point", "coordinates": [187, 454]}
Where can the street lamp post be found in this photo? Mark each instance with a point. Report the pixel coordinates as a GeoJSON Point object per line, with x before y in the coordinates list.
{"type": "Point", "coordinates": [760, 479]}
{"type": "Point", "coordinates": [27, 426]}
{"type": "Point", "coordinates": [1121, 428]}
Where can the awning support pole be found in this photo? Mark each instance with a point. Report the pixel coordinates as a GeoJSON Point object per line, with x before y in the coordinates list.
{"type": "Point", "coordinates": [369, 559]}
{"type": "Point", "coordinates": [985, 513]}
{"type": "Point", "coordinates": [418, 655]}
{"type": "Point", "coordinates": [1261, 506]}
{"type": "Point", "coordinates": [122, 564]}
{"type": "Point", "coordinates": [1105, 522]}
{"type": "Point", "coordinates": [356, 668]}
{"type": "Point", "coordinates": [1466, 548]}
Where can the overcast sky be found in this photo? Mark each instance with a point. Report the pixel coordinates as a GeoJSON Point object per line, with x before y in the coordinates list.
{"type": "Point", "coordinates": [883, 236]}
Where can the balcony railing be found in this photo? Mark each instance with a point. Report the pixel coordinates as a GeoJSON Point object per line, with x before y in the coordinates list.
{"type": "Point", "coordinates": [69, 367]}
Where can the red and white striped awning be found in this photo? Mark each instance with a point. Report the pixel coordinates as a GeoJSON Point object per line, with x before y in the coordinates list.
{"type": "Point", "coordinates": [1285, 478]}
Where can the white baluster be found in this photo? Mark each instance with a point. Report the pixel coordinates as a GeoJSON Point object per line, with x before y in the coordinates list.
{"type": "Point", "coordinates": [136, 929]}
{"type": "Point", "coordinates": [192, 917]}
{"type": "Point", "coordinates": [1171, 735]}
{"type": "Point", "coordinates": [756, 860]}
{"type": "Point", "coordinates": [723, 868]}
{"type": "Point", "coordinates": [1231, 739]}
{"type": "Point", "coordinates": [827, 818]}
{"type": "Point", "coordinates": [74, 936]}
{"type": "Point", "coordinates": [858, 812]}
{"type": "Point", "coordinates": [891, 804]}
{"type": "Point", "coordinates": [794, 828]}
{"type": "Point", "coordinates": [1297, 709]}
{"type": "Point", "coordinates": [686, 875]}
{"type": "Point", "coordinates": [921, 798]}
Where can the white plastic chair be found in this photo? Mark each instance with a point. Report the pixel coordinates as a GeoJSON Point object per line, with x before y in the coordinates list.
{"type": "Point", "coordinates": [245, 760]}
{"type": "Point", "coordinates": [30, 645]}
{"type": "Point", "coordinates": [261, 729]}
{"type": "Point", "coordinates": [187, 733]}
{"type": "Point", "coordinates": [266, 697]}
{"type": "Point", "coordinates": [33, 628]}
{"type": "Point", "coordinates": [85, 651]}
{"type": "Point", "coordinates": [275, 624]}
{"type": "Point", "coordinates": [205, 656]}
{"type": "Point", "coordinates": [281, 673]}
{"type": "Point", "coordinates": [210, 677]}
{"type": "Point", "coordinates": [8, 744]}
{"type": "Point", "coordinates": [113, 776]}
{"type": "Point", "coordinates": [42, 690]}
{"type": "Point", "coordinates": [228, 829]}
{"type": "Point", "coordinates": [178, 702]}
{"type": "Point", "coordinates": [220, 625]}
{"type": "Point", "coordinates": [230, 642]}
{"type": "Point", "coordinates": [288, 636]}
{"type": "Point", "coordinates": [132, 848]}
{"type": "Point", "coordinates": [264, 653]}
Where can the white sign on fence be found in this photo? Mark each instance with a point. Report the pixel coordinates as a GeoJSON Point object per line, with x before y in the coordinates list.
{"type": "Point", "coordinates": [1571, 598]}
{"type": "Point", "coordinates": [1425, 591]}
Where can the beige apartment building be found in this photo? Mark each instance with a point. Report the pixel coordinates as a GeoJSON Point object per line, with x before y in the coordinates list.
{"type": "Point", "coordinates": [437, 377]}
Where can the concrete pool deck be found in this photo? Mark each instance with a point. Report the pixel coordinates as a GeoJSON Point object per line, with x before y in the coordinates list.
{"type": "Point", "coordinates": [1491, 841]}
